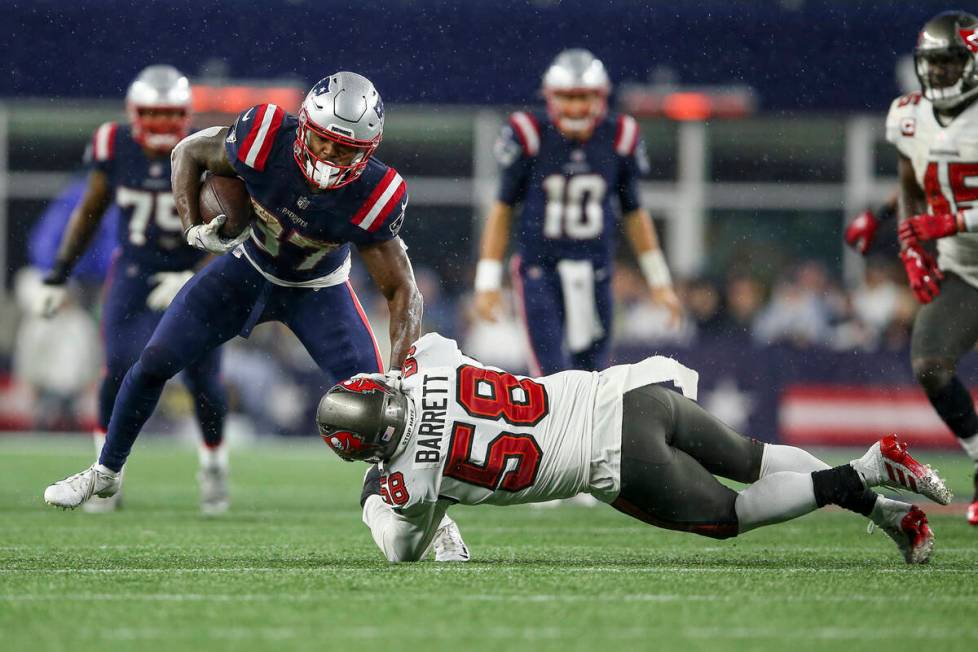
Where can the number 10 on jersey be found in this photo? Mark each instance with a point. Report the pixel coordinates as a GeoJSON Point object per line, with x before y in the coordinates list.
{"type": "Point", "coordinates": [574, 206]}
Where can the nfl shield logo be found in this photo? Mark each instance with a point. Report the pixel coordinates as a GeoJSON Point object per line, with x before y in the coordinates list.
{"type": "Point", "coordinates": [908, 126]}
{"type": "Point", "coordinates": [302, 203]}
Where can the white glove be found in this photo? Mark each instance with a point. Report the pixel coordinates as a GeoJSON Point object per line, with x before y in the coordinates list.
{"type": "Point", "coordinates": [205, 236]}
{"type": "Point", "coordinates": [48, 299]}
{"type": "Point", "coordinates": [167, 286]}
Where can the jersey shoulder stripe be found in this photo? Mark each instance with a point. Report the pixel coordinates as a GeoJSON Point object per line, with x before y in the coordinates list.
{"type": "Point", "coordinates": [527, 130]}
{"type": "Point", "coordinates": [381, 201]}
{"type": "Point", "coordinates": [626, 138]}
{"type": "Point", "coordinates": [103, 142]}
{"type": "Point", "coordinates": [266, 120]}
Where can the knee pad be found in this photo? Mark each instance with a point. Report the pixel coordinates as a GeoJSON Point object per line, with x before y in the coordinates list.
{"type": "Point", "coordinates": [933, 374]}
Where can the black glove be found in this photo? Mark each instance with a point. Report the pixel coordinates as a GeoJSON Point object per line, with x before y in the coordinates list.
{"type": "Point", "coordinates": [371, 484]}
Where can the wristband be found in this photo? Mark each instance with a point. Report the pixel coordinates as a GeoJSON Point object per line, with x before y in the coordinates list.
{"type": "Point", "coordinates": [968, 219]}
{"type": "Point", "coordinates": [488, 274]}
{"type": "Point", "coordinates": [654, 268]}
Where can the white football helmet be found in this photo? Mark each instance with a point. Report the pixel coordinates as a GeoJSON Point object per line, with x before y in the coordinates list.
{"type": "Point", "coordinates": [576, 71]}
{"type": "Point", "coordinates": [158, 89]}
{"type": "Point", "coordinates": [346, 109]}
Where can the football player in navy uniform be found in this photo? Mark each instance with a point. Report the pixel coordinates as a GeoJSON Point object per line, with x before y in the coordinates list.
{"type": "Point", "coordinates": [315, 188]}
{"type": "Point", "coordinates": [130, 166]}
{"type": "Point", "coordinates": [568, 167]}
{"type": "Point", "coordinates": [936, 134]}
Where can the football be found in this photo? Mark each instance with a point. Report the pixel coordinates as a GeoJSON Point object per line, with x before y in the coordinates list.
{"type": "Point", "coordinates": [226, 196]}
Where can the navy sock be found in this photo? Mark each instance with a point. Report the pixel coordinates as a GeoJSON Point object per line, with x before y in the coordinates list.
{"type": "Point", "coordinates": [954, 405]}
{"type": "Point", "coordinates": [136, 401]}
{"type": "Point", "coordinates": [211, 410]}
{"type": "Point", "coordinates": [842, 486]}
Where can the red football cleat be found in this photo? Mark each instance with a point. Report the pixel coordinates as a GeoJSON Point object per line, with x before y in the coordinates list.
{"type": "Point", "coordinates": [888, 463]}
{"type": "Point", "coordinates": [972, 513]}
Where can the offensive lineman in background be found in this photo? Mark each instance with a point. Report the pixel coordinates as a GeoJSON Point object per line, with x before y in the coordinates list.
{"type": "Point", "coordinates": [567, 167]}
{"type": "Point", "coordinates": [130, 166]}
{"type": "Point", "coordinates": [936, 134]}
{"type": "Point", "coordinates": [456, 431]}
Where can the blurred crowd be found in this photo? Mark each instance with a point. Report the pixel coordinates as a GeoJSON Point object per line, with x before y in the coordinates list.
{"type": "Point", "coordinates": [273, 382]}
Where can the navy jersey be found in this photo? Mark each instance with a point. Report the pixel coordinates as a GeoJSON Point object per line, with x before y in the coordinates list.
{"type": "Point", "coordinates": [300, 234]}
{"type": "Point", "coordinates": [149, 232]}
{"type": "Point", "coordinates": [567, 188]}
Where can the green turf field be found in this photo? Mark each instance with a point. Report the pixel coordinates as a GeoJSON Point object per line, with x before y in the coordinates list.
{"type": "Point", "coordinates": [292, 568]}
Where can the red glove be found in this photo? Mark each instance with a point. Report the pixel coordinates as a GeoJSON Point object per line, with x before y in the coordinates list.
{"type": "Point", "coordinates": [861, 231]}
{"type": "Point", "coordinates": [923, 273]}
{"type": "Point", "coordinates": [930, 227]}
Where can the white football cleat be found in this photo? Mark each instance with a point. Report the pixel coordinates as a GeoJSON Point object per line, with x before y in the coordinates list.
{"type": "Point", "coordinates": [887, 463]}
{"type": "Point", "coordinates": [97, 505]}
{"type": "Point", "coordinates": [96, 480]}
{"type": "Point", "coordinates": [448, 544]}
{"type": "Point", "coordinates": [215, 498]}
{"type": "Point", "coordinates": [908, 529]}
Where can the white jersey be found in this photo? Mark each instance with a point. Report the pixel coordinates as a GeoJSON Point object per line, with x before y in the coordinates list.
{"type": "Point", "coordinates": [945, 162]}
{"type": "Point", "coordinates": [477, 434]}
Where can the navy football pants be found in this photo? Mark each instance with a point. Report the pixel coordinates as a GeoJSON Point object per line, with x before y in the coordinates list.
{"type": "Point", "coordinates": [540, 301]}
{"type": "Point", "coordinates": [227, 298]}
{"type": "Point", "coordinates": [127, 325]}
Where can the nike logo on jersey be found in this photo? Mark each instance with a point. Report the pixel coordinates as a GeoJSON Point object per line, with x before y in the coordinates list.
{"type": "Point", "coordinates": [247, 116]}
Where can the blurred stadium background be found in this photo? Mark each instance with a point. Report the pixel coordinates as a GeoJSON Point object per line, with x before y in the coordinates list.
{"type": "Point", "coordinates": [764, 122]}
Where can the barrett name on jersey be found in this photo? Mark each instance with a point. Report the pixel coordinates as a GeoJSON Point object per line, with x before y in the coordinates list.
{"type": "Point", "coordinates": [476, 435]}
{"type": "Point", "coordinates": [567, 187]}
{"type": "Point", "coordinates": [149, 233]}
{"type": "Point", "coordinates": [945, 163]}
{"type": "Point", "coordinates": [301, 237]}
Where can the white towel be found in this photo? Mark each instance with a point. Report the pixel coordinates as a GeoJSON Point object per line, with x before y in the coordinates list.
{"type": "Point", "coordinates": [582, 326]}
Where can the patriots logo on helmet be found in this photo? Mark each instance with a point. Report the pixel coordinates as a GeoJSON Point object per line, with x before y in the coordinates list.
{"type": "Point", "coordinates": [379, 109]}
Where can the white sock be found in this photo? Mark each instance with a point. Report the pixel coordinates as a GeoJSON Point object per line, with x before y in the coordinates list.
{"type": "Point", "coordinates": [777, 458]}
{"type": "Point", "coordinates": [98, 436]}
{"type": "Point", "coordinates": [775, 498]}
{"type": "Point", "coordinates": [970, 446]}
{"type": "Point", "coordinates": [216, 457]}
{"type": "Point", "coordinates": [887, 511]}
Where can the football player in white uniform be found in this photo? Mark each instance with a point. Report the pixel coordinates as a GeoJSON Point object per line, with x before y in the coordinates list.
{"type": "Point", "coordinates": [456, 431]}
{"type": "Point", "coordinates": [936, 133]}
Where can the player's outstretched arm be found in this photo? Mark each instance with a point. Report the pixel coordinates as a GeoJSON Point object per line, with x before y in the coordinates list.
{"type": "Point", "coordinates": [390, 268]}
{"type": "Point", "coordinates": [192, 156]}
{"type": "Point", "coordinates": [641, 235]}
{"type": "Point", "coordinates": [489, 271]}
{"type": "Point", "coordinates": [82, 225]}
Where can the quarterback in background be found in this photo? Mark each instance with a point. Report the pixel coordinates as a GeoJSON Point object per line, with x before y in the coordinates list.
{"type": "Point", "coordinates": [456, 431]}
{"type": "Point", "coordinates": [936, 134]}
{"type": "Point", "coordinates": [567, 168]}
{"type": "Point", "coordinates": [130, 166]}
